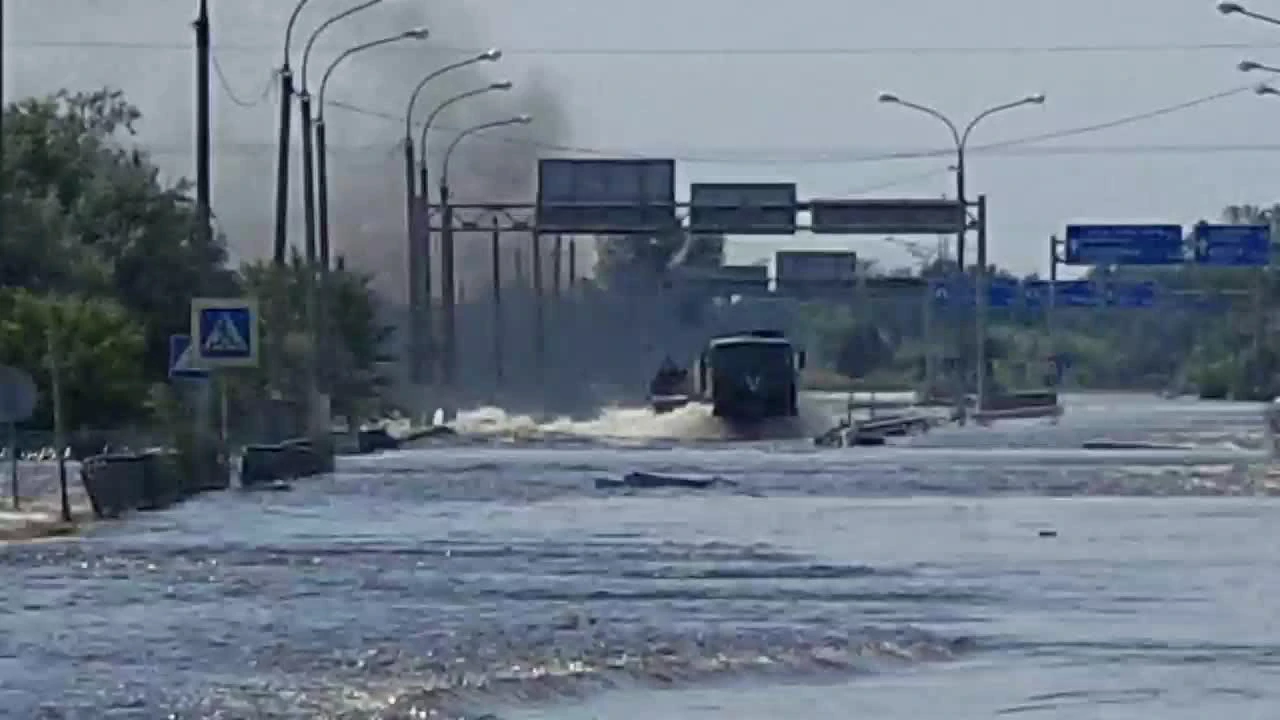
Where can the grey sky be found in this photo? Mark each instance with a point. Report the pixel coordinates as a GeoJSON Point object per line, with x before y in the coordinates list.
{"type": "Point", "coordinates": [765, 116]}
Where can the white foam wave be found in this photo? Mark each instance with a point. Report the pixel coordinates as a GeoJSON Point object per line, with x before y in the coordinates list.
{"type": "Point", "coordinates": [692, 422]}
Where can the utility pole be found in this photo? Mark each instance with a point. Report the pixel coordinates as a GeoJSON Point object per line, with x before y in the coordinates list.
{"type": "Point", "coordinates": [204, 204]}
{"type": "Point", "coordinates": [204, 192]}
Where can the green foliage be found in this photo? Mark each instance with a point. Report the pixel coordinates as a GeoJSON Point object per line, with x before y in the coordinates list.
{"type": "Point", "coordinates": [103, 250]}
{"type": "Point", "coordinates": [97, 346]}
{"type": "Point", "coordinates": [352, 341]}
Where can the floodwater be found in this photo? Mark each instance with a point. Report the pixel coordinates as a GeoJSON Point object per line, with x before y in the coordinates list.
{"type": "Point", "coordinates": [968, 573]}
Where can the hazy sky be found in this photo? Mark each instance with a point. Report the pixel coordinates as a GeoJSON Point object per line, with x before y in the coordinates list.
{"type": "Point", "coordinates": [746, 90]}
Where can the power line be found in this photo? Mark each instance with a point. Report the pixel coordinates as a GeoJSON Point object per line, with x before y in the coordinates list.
{"type": "Point", "coordinates": [1061, 49]}
{"type": "Point", "coordinates": [231, 93]}
{"type": "Point", "coordinates": [833, 156]}
{"type": "Point", "coordinates": [845, 156]}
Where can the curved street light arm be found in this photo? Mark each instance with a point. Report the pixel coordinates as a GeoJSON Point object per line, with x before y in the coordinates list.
{"type": "Point", "coordinates": [955, 132]}
{"type": "Point", "coordinates": [417, 89]}
{"type": "Point", "coordinates": [448, 154]}
{"type": "Point", "coordinates": [968, 129]}
{"type": "Point", "coordinates": [288, 30]}
{"type": "Point", "coordinates": [324, 81]}
{"type": "Point", "coordinates": [426, 126]}
{"type": "Point", "coordinates": [315, 35]}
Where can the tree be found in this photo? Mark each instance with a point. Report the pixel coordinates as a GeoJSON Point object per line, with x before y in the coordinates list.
{"type": "Point", "coordinates": [98, 350]}
{"type": "Point", "coordinates": [91, 215]}
{"type": "Point", "coordinates": [354, 352]}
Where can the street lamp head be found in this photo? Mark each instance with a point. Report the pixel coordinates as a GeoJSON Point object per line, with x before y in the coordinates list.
{"type": "Point", "coordinates": [522, 119]}
{"type": "Point", "coordinates": [1265, 89]}
{"type": "Point", "coordinates": [1230, 8]}
{"type": "Point", "coordinates": [416, 34]}
{"type": "Point", "coordinates": [1034, 99]}
{"type": "Point", "coordinates": [490, 55]}
{"type": "Point", "coordinates": [1248, 66]}
{"type": "Point", "coordinates": [502, 85]}
{"type": "Point", "coordinates": [885, 97]}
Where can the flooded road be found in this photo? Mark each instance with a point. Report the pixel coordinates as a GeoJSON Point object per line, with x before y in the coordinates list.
{"type": "Point", "coordinates": [963, 574]}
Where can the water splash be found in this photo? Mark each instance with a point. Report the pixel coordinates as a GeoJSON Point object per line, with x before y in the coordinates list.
{"type": "Point", "coordinates": [691, 423]}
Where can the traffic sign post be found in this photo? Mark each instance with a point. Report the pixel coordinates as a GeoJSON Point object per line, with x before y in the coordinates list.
{"type": "Point", "coordinates": [1124, 245]}
{"type": "Point", "coordinates": [182, 362]}
{"type": "Point", "coordinates": [225, 332]}
{"type": "Point", "coordinates": [18, 398]}
{"type": "Point", "coordinates": [742, 208]}
{"type": "Point", "coordinates": [1232, 245]}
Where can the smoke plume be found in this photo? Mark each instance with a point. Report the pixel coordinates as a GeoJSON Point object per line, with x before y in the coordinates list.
{"type": "Point", "coordinates": [144, 47]}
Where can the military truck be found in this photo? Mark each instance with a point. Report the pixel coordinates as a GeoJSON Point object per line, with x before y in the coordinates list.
{"type": "Point", "coordinates": [750, 376]}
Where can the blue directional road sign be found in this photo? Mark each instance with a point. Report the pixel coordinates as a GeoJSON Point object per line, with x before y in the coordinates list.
{"type": "Point", "coordinates": [1075, 293]}
{"type": "Point", "coordinates": [225, 331]}
{"type": "Point", "coordinates": [182, 363]}
{"type": "Point", "coordinates": [1124, 245]}
{"type": "Point", "coordinates": [1132, 295]}
{"type": "Point", "coordinates": [1001, 293]}
{"type": "Point", "coordinates": [1233, 245]}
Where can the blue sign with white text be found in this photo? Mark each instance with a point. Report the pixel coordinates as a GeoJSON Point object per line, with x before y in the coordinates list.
{"type": "Point", "coordinates": [1124, 245]}
{"type": "Point", "coordinates": [1076, 293]}
{"type": "Point", "coordinates": [1131, 296]}
{"type": "Point", "coordinates": [1233, 245]}
{"type": "Point", "coordinates": [1001, 293]}
{"type": "Point", "coordinates": [182, 360]}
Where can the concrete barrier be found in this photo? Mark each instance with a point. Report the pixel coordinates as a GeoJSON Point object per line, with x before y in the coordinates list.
{"type": "Point", "coordinates": [289, 460]}
{"type": "Point", "coordinates": [119, 483]}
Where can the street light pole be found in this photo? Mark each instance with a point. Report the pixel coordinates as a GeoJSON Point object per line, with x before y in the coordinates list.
{"type": "Point", "coordinates": [961, 139]}
{"type": "Point", "coordinates": [322, 149]}
{"type": "Point", "coordinates": [423, 170]}
{"type": "Point", "coordinates": [418, 245]}
{"type": "Point", "coordinates": [282, 152]}
{"type": "Point", "coordinates": [319, 299]}
{"type": "Point", "coordinates": [308, 135]}
{"type": "Point", "coordinates": [448, 290]}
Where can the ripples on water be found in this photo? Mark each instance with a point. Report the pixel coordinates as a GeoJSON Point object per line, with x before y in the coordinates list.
{"type": "Point", "coordinates": [467, 578]}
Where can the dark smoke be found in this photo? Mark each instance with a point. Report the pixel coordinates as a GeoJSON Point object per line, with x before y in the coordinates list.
{"type": "Point", "coordinates": [143, 48]}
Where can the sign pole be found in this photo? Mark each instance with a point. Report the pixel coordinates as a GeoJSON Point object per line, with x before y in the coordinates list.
{"type": "Point", "coordinates": [495, 258]}
{"type": "Point", "coordinates": [59, 440]}
{"type": "Point", "coordinates": [13, 466]}
{"type": "Point", "coordinates": [982, 304]}
{"type": "Point", "coordinates": [930, 356]}
{"type": "Point", "coordinates": [1050, 325]}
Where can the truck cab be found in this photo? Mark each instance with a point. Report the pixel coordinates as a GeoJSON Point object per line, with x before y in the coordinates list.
{"type": "Point", "coordinates": [750, 376]}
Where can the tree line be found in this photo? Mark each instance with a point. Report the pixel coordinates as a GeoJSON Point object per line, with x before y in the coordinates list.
{"type": "Point", "coordinates": [99, 251]}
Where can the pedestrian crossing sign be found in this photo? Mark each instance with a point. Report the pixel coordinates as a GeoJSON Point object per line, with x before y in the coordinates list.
{"type": "Point", "coordinates": [182, 361]}
{"type": "Point", "coordinates": [224, 332]}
